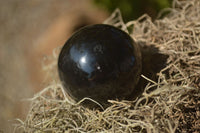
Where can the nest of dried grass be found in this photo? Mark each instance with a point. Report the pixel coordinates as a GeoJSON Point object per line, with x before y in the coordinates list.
{"type": "Point", "coordinates": [172, 106]}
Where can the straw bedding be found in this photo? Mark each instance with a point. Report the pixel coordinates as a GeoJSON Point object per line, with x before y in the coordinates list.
{"type": "Point", "coordinates": [173, 105]}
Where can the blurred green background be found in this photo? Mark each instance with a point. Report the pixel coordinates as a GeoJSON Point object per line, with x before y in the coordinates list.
{"type": "Point", "coordinates": [132, 9]}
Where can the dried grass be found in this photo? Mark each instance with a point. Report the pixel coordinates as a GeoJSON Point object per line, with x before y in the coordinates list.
{"type": "Point", "coordinates": [174, 104]}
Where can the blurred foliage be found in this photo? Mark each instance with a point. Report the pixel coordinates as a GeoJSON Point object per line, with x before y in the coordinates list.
{"type": "Point", "coordinates": [132, 9]}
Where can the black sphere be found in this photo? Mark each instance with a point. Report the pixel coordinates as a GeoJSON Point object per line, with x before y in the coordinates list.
{"type": "Point", "coordinates": [100, 62]}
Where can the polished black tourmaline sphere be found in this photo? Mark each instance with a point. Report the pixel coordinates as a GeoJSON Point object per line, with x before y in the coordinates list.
{"type": "Point", "coordinates": [100, 62]}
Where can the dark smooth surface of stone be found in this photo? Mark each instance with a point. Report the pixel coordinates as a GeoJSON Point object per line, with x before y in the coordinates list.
{"type": "Point", "coordinates": [100, 62]}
